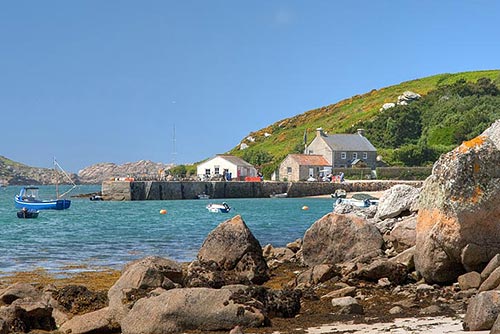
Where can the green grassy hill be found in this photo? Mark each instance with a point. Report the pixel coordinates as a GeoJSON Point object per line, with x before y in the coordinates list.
{"type": "Point", "coordinates": [286, 136]}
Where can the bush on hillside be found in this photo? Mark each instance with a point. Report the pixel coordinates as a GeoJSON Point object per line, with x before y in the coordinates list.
{"type": "Point", "coordinates": [416, 134]}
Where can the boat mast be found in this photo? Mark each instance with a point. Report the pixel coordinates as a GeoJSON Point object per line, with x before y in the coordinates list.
{"type": "Point", "coordinates": [56, 165]}
{"type": "Point", "coordinates": [57, 179]}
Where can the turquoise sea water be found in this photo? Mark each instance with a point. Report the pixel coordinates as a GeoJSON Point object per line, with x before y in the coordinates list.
{"type": "Point", "coordinates": [105, 234]}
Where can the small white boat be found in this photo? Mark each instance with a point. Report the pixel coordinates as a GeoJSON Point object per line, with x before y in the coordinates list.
{"type": "Point", "coordinates": [339, 193]}
{"type": "Point", "coordinates": [214, 207]}
{"type": "Point", "coordinates": [356, 202]}
{"type": "Point", "coordinates": [281, 195]}
{"type": "Point", "coordinates": [203, 196]}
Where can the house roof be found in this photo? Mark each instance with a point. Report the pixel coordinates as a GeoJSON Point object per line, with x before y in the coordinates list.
{"type": "Point", "coordinates": [310, 159]}
{"type": "Point", "coordinates": [348, 142]}
{"type": "Point", "coordinates": [234, 160]}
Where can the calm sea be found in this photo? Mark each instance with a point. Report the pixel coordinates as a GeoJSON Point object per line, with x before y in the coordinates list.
{"type": "Point", "coordinates": [96, 235]}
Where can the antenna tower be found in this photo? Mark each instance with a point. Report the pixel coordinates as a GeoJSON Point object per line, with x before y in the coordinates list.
{"type": "Point", "coordinates": [174, 152]}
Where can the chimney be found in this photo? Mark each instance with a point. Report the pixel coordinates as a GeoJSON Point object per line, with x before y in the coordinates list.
{"type": "Point", "coordinates": [319, 132]}
{"type": "Point", "coordinates": [361, 132]}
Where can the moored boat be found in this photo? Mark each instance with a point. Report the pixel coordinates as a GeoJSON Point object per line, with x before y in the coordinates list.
{"type": "Point", "coordinates": [203, 196]}
{"type": "Point", "coordinates": [281, 195]}
{"type": "Point", "coordinates": [27, 213]}
{"type": "Point", "coordinates": [339, 193]}
{"type": "Point", "coordinates": [28, 198]}
{"type": "Point", "coordinates": [214, 207]}
{"type": "Point", "coordinates": [356, 202]}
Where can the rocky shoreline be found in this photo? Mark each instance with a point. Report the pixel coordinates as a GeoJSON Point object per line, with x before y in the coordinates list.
{"type": "Point", "coordinates": [420, 253]}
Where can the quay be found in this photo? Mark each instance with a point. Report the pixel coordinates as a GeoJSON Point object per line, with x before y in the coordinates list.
{"type": "Point", "coordinates": [173, 190]}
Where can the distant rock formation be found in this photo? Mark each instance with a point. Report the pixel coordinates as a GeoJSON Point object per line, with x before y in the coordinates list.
{"type": "Point", "coordinates": [15, 173]}
{"type": "Point", "coordinates": [143, 169]}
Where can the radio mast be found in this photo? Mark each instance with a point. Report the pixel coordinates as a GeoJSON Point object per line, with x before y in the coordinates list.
{"type": "Point", "coordinates": [174, 152]}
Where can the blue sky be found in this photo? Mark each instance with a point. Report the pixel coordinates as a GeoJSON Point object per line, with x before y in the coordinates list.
{"type": "Point", "coordinates": [106, 81]}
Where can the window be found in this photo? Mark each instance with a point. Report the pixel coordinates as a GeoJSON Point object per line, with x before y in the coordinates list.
{"type": "Point", "coordinates": [365, 155]}
{"type": "Point", "coordinates": [216, 171]}
{"type": "Point", "coordinates": [207, 171]}
{"type": "Point", "coordinates": [289, 170]}
{"type": "Point", "coordinates": [354, 155]}
{"type": "Point", "coordinates": [343, 155]}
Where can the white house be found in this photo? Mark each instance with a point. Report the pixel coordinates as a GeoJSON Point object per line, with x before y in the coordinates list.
{"type": "Point", "coordinates": [226, 165]}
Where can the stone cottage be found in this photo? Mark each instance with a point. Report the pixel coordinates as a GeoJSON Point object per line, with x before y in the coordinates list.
{"type": "Point", "coordinates": [300, 167]}
{"type": "Point", "coordinates": [342, 150]}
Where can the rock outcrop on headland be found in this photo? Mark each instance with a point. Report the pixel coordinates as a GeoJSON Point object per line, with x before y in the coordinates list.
{"type": "Point", "coordinates": [459, 215]}
{"type": "Point", "coordinates": [15, 173]}
{"type": "Point", "coordinates": [100, 172]}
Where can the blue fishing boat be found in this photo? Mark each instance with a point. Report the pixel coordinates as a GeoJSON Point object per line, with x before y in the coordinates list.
{"type": "Point", "coordinates": [28, 198]}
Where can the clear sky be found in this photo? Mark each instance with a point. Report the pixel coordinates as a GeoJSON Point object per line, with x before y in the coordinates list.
{"type": "Point", "coordinates": [107, 81]}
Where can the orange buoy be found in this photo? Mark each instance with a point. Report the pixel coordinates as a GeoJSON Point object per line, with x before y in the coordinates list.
{"type": "Point", "coordinates": [163, 211]}
{"type": "Point", "coordinates": [305, 207]}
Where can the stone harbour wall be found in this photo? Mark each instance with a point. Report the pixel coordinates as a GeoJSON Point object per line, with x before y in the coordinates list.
{"type": "Point", "coordinates": [168, 190]}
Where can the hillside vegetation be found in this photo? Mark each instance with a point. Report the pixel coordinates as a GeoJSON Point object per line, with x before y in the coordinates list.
{"type": "Point", "coordinates": [449, 102]}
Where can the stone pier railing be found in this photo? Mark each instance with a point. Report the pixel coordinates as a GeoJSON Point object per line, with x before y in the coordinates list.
{"type": "Point", "coordinates": [165, 190]}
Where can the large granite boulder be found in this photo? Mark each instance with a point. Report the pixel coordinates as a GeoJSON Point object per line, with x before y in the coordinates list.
{"type": "Point", "coordinates": [400, 199]}
{"type": "Point", "coordinates": [229, 255]}
{"type": "Point", "coordinates": [139, 278]}
{"type": "Point", "coordinates": [25, 315]}
{"type": "Point", "coordinates": [179, 310]}
{"type": "Point", "coordinates": [458, 220]}
{"type": "Point", "coordinates": [100, 321]}
{"type": "Point", "coordinates": [482, 311]}
{"type": "Point", "coordinates": [336, 238]}
{"type": "Point", "coordinates": [403, 234]}
{"type": "Point", "coordinates": [18, 291]}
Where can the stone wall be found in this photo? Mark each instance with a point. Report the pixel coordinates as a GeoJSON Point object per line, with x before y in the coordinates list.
{"type": "Point", "coordinates": [164, 190]}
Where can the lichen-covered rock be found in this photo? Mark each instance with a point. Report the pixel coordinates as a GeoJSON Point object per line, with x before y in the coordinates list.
{"type": "Point", "coordinates": [458, 219]}
{"type": "Point", "coordinates": [336, 238]}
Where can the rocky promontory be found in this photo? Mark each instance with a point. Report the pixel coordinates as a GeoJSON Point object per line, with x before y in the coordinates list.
{"type": "Point", "coordinates": [143, 169]}
{"type": "Point", "coordinates": [15, 173]}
